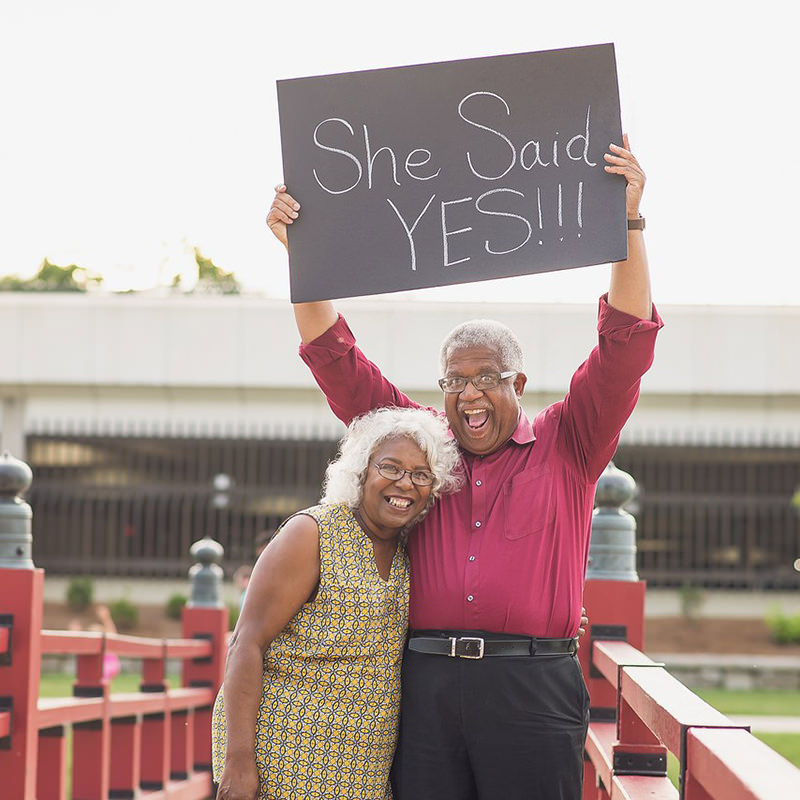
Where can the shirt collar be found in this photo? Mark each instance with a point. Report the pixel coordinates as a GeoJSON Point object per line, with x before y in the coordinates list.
{"type": "Point", "coordinates": [523, 434]}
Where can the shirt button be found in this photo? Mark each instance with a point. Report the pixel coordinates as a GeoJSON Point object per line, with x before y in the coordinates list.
{"type": "Point", "coordinates": [470, 598]}
{"type": "Point", "coordinates": [478, 524]}
{"type": "Point", "coordinates": [478, 483]}
{"type": "Point", "coordinates": [472, 558]}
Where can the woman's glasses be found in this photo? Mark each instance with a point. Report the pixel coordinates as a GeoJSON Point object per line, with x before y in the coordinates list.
{"type": "Point", "coordinates": [419, 477]}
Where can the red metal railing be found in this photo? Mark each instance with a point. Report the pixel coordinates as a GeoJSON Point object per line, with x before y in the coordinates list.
{"type": "Point", "coordinates": [640, 711]}
{"type": "Point", "coordinates": [153, 744]}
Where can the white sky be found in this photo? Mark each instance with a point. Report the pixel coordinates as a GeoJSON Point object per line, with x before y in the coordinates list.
{"type": "Point", "coordinates": [130, 131]}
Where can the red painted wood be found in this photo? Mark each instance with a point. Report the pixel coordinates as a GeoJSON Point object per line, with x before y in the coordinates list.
{"type": "Point", "coordinates": [51, 773]}
{"type": "Point", "coordinates": [734, 765]}
{"type": "Point", "coordinates": [599, 741]}
{"type": "Point", "coordinates": [71, 642]}
{"type": "Point", "coordinates": [642, 787]}
{"type": "Point", "coordinates": [611, 603]}
{"type": "Point", "coordinates": [156, 732]}
{"type": "Point", "coordinates": [126, 754]}
{"type": "Point", "coordinates": [212, 625]}
{"type": "Point", "coordinates": [91, 751]}
{"type": "Point", "coordinates": [22, 598]}
{"type": "Point", "coordinates": [182, 745]}
{"type": "Point", "coordinates": [664, 704]}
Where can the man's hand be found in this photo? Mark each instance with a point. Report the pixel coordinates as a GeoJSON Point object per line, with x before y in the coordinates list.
{"type": "Point", "coordinates": [282, 212]}
{"type": "Point", "coordinates": [239, 779]}
{"type": "Point", "coordinates": [622, 162]}
{"type": "Point", "coordinates": [584, 625]}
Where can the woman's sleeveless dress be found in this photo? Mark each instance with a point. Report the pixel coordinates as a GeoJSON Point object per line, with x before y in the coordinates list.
{"type": "Point", "coordinates": [327, 721]}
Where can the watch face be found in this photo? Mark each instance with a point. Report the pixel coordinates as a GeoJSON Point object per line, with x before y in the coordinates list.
{"type": "Point", "coordinates": [636, 224]}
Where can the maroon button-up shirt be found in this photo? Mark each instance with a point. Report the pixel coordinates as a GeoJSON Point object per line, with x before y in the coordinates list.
{"type": "Point", "coordinates": [508, 552]}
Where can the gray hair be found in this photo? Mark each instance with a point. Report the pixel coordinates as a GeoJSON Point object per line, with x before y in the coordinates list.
{"type": "Point", "coordinates": [345, 475]}
{"type": "Point", "coordinates": [484, 333]}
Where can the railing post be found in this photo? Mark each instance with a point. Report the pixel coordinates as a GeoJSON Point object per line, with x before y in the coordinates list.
{"type": "Point", "coordinates": [205, 616]}
{"type": "Point", "coordinates": [614, 600]}
{"type": "Point", "coordinates": [21, 587]}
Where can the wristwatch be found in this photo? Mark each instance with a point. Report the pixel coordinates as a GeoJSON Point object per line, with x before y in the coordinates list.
{"type": "Point", "coordinates": [636, 224]}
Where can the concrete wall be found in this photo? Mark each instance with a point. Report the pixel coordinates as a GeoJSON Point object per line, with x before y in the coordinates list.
{"type": "Point", "coordinates": [230, 363]}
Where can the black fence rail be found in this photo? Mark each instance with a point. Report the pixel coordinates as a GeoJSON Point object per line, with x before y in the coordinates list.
{"type": "Point", "coordinates": [131, 505]}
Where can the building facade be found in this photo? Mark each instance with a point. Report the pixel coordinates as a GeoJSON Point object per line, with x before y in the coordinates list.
{"type": "Point", "coordinates": [151, 421]}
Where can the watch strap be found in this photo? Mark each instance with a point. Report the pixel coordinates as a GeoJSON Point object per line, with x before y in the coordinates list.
{"type": "Point", "coordinates": [636, 224]}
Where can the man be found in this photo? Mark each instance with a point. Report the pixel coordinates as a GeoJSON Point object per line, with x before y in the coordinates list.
{"type": "Point", "coordinates": [494, 704]}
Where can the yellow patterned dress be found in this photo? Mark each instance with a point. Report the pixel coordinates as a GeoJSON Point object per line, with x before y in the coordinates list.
{"type": "Point", "coordinates": [327, 722]}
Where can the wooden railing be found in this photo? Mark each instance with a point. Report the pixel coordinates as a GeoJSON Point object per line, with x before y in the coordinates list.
{"type": "Point", "coordinates": [154, 743]}
{"type": "Point", "coordinates": [640, 712]}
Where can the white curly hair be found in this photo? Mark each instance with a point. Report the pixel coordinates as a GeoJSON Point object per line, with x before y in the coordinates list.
{"type": "Point", "coordinates": [345, 475]}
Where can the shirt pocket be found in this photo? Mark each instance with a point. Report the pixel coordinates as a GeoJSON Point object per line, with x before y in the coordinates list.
{"type": "Point", "coordinates": [528, 504]}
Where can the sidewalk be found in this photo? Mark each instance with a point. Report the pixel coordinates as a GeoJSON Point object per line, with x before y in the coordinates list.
{"type": "Point", "coordinates": [768, 724]}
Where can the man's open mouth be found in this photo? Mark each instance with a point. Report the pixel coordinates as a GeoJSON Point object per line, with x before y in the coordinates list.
{"type": "Point", "coordinates": [476, 418]}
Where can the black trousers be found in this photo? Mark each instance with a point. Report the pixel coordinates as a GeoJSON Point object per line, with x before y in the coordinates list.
{"type": "Point", "coordinates": [498, 728]}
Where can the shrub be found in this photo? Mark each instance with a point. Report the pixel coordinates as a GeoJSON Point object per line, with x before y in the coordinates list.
{"type": "Point", "coordinates": [233, 615]}
{"type": "Point", "coordinates": [175, 604]}
{"type": "Point", "coordinates": [124, 613]}
{"type": "Point", "coordinates": [80, 593]}
{"type": "Point", "coordinates": [785, 629]}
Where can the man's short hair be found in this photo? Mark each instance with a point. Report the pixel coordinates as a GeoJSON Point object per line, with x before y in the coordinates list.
{"type": "Point", "coordinates": [484, 333]}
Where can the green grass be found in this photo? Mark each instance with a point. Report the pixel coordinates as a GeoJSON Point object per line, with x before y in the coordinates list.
{"type": "Point", "coordinates": [56, 684]}
{"type": "Point", "coordinates": [787, 744]}
{"type": "Point", "coordinates": [756, 702]}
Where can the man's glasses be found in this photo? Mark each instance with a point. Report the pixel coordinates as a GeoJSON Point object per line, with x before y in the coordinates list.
{"type": "Point", "coordinates": [489, 380]}
{"type": "Point", "coordinates": [419, 477]}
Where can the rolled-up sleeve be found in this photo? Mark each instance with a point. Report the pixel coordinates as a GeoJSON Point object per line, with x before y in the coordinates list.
{"type": "Point", "coordinates": [604, 389]}
{"type": "Point", "coordinates": [351, 383]}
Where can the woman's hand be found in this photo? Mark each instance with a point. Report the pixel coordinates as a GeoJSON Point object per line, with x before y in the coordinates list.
{"type": "Point", "coordinates": [239, 779]}
{"type": "Point", "coordinates": [282, 212]}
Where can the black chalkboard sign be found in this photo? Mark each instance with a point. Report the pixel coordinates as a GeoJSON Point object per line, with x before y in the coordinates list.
{"type": "Point", "coordinates": [448, 173]}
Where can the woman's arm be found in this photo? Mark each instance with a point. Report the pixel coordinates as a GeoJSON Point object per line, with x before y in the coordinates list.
{"type": "Point", "coordinates": [285, 576]}
{"type": "Point", "coordinates": [312, 319]}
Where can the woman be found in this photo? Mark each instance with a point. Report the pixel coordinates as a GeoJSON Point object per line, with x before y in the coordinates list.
{"type": "Point", "coordinates": [312, 680]}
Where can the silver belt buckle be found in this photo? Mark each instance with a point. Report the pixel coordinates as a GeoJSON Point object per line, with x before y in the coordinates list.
{"type": "Point", "coordinates": [469, 642]}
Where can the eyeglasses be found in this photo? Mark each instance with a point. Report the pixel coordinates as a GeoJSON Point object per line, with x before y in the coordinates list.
{"type": "Point", "coordinates": [419, 477]}
{"type": "Point", "coordinates": [489, 380]}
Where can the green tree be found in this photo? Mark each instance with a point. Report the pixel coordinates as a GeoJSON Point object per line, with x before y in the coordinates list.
{"type": "Point", "coordinates": [211, 279]}
{"type": "Point", "coordinates": [51, 278]}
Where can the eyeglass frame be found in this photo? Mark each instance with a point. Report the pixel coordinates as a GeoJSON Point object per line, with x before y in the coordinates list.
{"type": "Point", "coordinates": [501, 376]}
{"type": "Point", "coordinates": [404, 472]}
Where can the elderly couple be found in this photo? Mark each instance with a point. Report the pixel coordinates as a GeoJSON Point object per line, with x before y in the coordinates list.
{"type": "Point", "coordinates": [493, 524]}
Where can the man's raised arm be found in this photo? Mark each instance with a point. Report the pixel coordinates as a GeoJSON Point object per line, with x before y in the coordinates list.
{"type": "Point", "coordinates": [630, 280]}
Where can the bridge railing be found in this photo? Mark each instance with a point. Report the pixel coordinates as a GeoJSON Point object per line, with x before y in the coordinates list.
{"type": "Point", "coordinates": [154, 743]}
{"type": "Point", "coordinates": [639, 712]}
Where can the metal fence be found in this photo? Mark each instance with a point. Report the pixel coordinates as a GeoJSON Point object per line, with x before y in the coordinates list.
{"type": "Point", "coordinates": [716, 515]}
{"type": "Point", "coordinates": [132, 505]}
{"type": "Point", "coordinates": [119, 505]}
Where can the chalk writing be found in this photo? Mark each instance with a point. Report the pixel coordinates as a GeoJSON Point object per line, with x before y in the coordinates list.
{"type": "Point", "coordinates": [429, 175]}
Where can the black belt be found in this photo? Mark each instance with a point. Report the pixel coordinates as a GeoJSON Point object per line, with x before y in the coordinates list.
{"type": "Point", "coordinates": [458, 646]}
